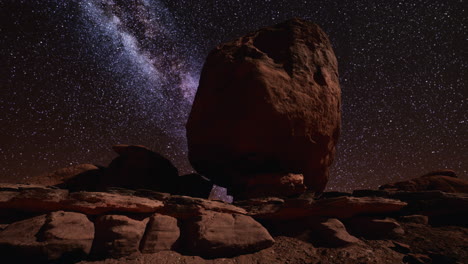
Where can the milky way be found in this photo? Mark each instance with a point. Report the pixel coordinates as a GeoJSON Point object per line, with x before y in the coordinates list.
{"type": "Point", "coordinates": [80, 76]}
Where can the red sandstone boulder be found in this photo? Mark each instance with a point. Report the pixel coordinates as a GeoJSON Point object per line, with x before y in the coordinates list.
{"type": "Point", "coordinates": [161, 234]}
{"type": "Point", "coordinates": [330, 233]}
{"type": "Point", "coordinates": [374, 228]}
{"type": "Point", "coordinates": [117, 236]}
{"type": "Point", "coordinates": [58, 236]}
{"type": "Point", "coordinates": [213, 234]}
{"type": "Point", "coordinates": [267, 102]}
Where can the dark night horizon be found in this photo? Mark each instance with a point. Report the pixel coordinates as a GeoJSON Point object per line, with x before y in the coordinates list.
{"type": "Point", "coordinates": [81, 76]}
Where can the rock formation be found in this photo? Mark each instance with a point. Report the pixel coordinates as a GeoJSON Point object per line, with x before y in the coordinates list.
{"type": "Point", "coordinates": [265, 123]}
{"type": "Point", "coordinates": [441, 180]}
{"type": "Point", "coordinates": [39, 224]}
{"type": "Point", "coordinates": [268, 103]}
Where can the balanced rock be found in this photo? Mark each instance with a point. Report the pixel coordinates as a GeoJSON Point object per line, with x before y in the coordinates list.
{"type": "Point", "coordinates": [268, 102]}
{"type": "Point", "coordinates": [140, 168]}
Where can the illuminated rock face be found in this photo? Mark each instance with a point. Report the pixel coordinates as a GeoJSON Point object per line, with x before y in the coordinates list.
{"type": "Point", "coordinates": [268, 102]}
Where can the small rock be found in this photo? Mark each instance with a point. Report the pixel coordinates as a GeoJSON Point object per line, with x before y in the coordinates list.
{"type": "Point", "coordinates": [161, 234]}
{"type": "Point", "coordinates": [417, 259]}
{"type": "Point", "coordinates": [330, 233]}
{"type": "Point", "coordinates": [117, 236]}
{"type": "Point", "coordinates": [59, 236]}
{"type": "Point", "coordinates": [214, 234]}
{"type": "Point", "coordinates": [401, 248]}
{"type": "Point", "coordinates": [416, 219]}
{"type": "Point", "coordinates": [372, 228]}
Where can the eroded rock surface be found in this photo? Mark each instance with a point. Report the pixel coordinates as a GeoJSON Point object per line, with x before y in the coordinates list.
{"type": "Point", "coordinates": [267, 102]}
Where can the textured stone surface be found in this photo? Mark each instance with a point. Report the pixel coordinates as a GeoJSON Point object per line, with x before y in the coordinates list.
{"type": "Point", "coordinates": [330, 233]}
{"type": "Point", "coordinates": [267, 102]}
{"type": "Point", "coordinates": [183, 207]}
{"type": "Point", "coordinates": [95, 203]}
{"type": "Point", "coordinates": [373, 228]}
{"type": "Point", "coordinates": [40, 199]}
{"type": "Point", "coordinates": [117, 236]}
{"type": "Point", "coordinates": [214, 234]}
{"type": "Point", "coordinates": [161, 234]}
{"type": "Point", "coordinates": [43, 199]}
{"type": "Point", "coordinates": [337, 207]}
{"type": "Point", "coordinates": [416, 219]}
{"type": "Point", "coordinates": [58, 236]}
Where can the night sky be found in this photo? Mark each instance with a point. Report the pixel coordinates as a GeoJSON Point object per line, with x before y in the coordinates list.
{"type": "Point", "coordinates": [80, 76]}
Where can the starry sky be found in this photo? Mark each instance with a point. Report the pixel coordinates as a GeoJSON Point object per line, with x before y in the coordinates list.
{"type": "Point", "coordinates": [77, 77]}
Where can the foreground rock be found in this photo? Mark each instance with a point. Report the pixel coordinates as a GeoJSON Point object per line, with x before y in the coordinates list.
{"type": "Point", "coordinates": [58, 236]}
{"type": "Point", "coordinates": [216, 234]}
{"type": "Point", "coordinates": [330, 233]}
{"type": "Point", "coordinates": [42, 199]}
{"type": "Point", "coordinates": [374, 228]}
{"type": "Point", "coordinates": [268, 102]}
{"type": "Point", "coordinates": [162, 234]}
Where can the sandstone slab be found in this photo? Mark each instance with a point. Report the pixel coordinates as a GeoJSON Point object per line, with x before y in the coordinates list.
{"type": "Point", "coordinates": [337, 207]}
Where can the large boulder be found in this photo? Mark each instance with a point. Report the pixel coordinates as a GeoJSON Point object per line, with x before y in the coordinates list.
{"type": "Point", "coordinates": [267, 102]}
{"type": "Point", "coordinates": [117, 236]}
{"type": "Point", "coordinates": [162, 234]}
{"type": "Point", "coordinates": [137, 167]}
